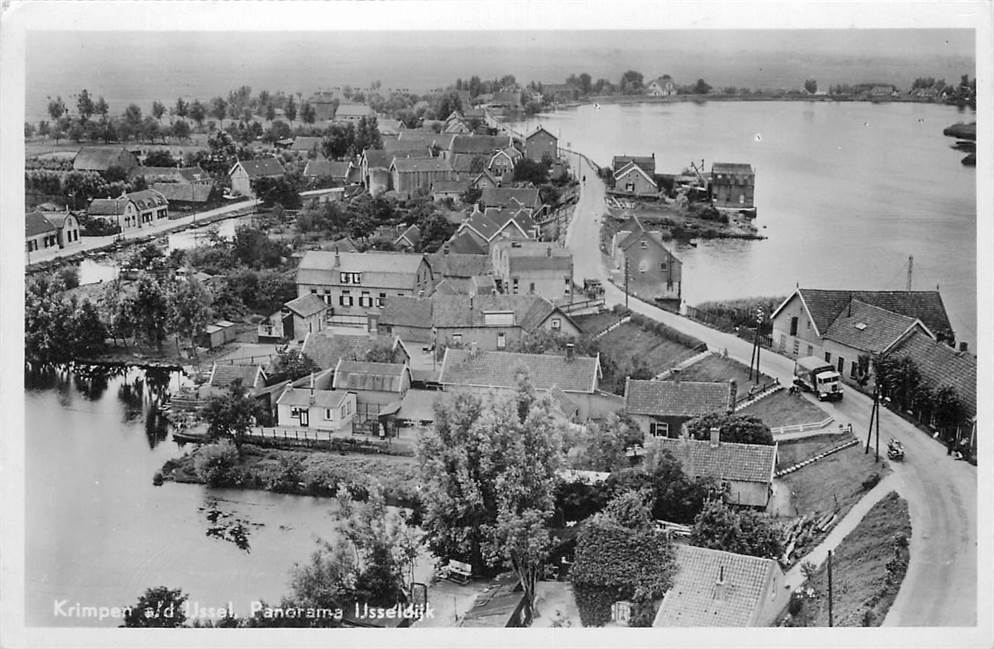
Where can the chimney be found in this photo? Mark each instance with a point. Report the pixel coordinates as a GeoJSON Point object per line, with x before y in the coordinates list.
{"type": "Point", "coordinates": [715, 437]}
{"type": "Point", "coordinates": [963, 347]}
{"type": "Point", "coordinates": [570, 349]}
{"type": "Point", "coordinates": [675, 373]}
{"type": "Point", "coordinates": [733, 394]}
{"type": "Point", "coordinates": [720, 587]}
{"type": "Point", "coordinates": [337, 258]}
{"type": "Point", "coordinates": [312, 385]}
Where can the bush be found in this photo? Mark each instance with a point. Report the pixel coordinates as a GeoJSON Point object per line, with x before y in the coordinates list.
{"type": "Point", "coordinates": [871, 481]}
{"type": "Point", "coordinates": [217, 464]}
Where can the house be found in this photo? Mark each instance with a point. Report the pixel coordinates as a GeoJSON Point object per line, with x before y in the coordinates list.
{"type": "Point", "coordinates": [476, 285]}
{"type": "Point", "coordinates": [417, 408]}
{"type": "Point", "coordinates": [635, 176]}
{"type": "Point", "coordinates": [478, 145]}
{"type": "Point", "coordinates": [485, 179]}
{"type": "Point", "coordinates": [374, 167]}
{"type": "Point", "coordinates": [325, 349]}
{"type": "Point", "coordinates": [345, 244]}
{"type": "Point", "coordinates": [448, 265]}
{"type": "Point", "coordinates": [388, 126]}
{"type": "Point", "coordinates": [417, 145]}
{"type": "Point", "coordinates": [408, 239]}
{"type": "Point", "coordinates": [325, 410]}
{"type": "Point", "coordinates": [745, 471]}
{"type": "Point", "coordinates": [102, 158]}
{"type": "Point", "coordinates": [493, 223]}
{"type": "Point", "coordinates": [714, 588]}
{"type": "Point", "coordinates": [453, 189]}
{"type": "Point", "coordinates": [358, 283]}
{"type": "Point", "coordinates": [467, 243]}
{"type": "Point", "coordinates": [733, 185]}
{"type": "Point", "coordinates": [217, 334]}
{"type": "Point", "coordinates": [506, 100]}
{"type": "Point", "coordinates": [411, 175]}
{"type": "Point", "coordinates": [527, 197]}
{"type": "Point", "coordinates": [298, 317]}
{"type": "Point", "coordinates": [245, 171]}
{"type": "Point", "coordinates": [502, 163]}
{"type": "Point", "coordinates": [131, 211]}
{"type": "Point", "coordinates": [483, 371]}
{"type": "Point", "coordinates": [661, 87]}
{"type": "Point", "coordinates": [375, 385]}
{"type": "Point", "coordinates": [541, 145]}
{"type": "Point", "coordinates": [307, 145]}
{"type": "Point", "coordinates": [456, 123]}
{"type": "Point", "coordinates": [43, 230]}
{"type": "Point", "coordinates": [224, 375]}
{"type": "Point", "coordinates": [533, 268]}
{"type": "Point", "coordinates": [862, 331]}
{"type": "Point", "coordinates": [800, 323]}
{"type": "Point", "coordinates": [661, 408]}
{"type": "Point", "coordinates": [324, 104]}
{"type": "Point", "coordinates": [182, 186]}
{"type": "Point", "coordinates": [654, 272]}
{"type": "Point", "coordinates": [352, 112]}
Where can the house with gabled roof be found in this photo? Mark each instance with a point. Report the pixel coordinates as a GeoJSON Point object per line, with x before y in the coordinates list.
{"type": "Point", "coordinates": [353, 112]}
{"type": "Point", "coordinates": [635, 176]}
{"type": "Point", "coordinates": [452, 189]}
{"type": "Point", "coordinates": [485, 179]}
{"type": "Point", "coordinates": [447, 264]}
{"type": "Point", "coordinates": [714, 588]}
{"type": "Point", "coordinates": [661, 87]}
{"type": "Point", "coordinates": [411, 175]}
{"type": "Point", "coordinates": [376, 385]}
{"type": "Point", "coordinates": [527, 197]}
{"type": "Point", "coordinates": [408, 239]}
{"type": "Point", "coordinates": [308, 145]}
{"type": "Point", "coordinates": [661, 408]}
{"type": "Point", "coordinates": [331, 411]}
{"type": "Point", "coordinates": [744, 471]}
{"type": "Point", "coordinates": [802, 320]}
{"type": "Point", "coordinates": [541, 145]}
{"type": "Point", "coordinates": [654, 271]}
{"type": "Point", "coordinates": [336, 172]}
{"type": "Point", "coordinates": [502, 163]}
{"type": "Point", "coordinates": [43, 230]}
{"type": "Point", "coordinates": [465, 242]}
{"type": "Point", "coordinates": [325, 348]}
{"type": "Point", "coordinates": [131, 211]}
{"type": "Point", "coordinates": [102, 158]}
{"type": "Point", "coordinates": [733, 185]}
{"type": "Point", "coordinates": [183, 185]}
{"type": "Point", "coordinates": [359, 283]}
{"type": "Point", "coordinates": [492, 224]}
{"type": "Point", "coordinates": [245, 171]}
{"type": "Point", "coordinates": [482, 145]}
{"type": "Point", "coordinates": [224, 375]}
{"type": "Point", "coordinates": [533, 268]}
{"type": "Point", "coordinates": [298, 317]}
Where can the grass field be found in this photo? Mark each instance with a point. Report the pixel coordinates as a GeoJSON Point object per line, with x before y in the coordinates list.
{"type": "Point", "coordinates": [719, 368]}
{"type": "Point", "coordinates": [833, 483]}
{"type": "Point", "coordinates": [867, 570]}
{"type": "Point", "coordinates": [784, 409]}
{"type": "Point", "coordinates": [791, 452]}
{"type": "Point", "coordinates": [595, 323]}
{"type": "Point", "coordinates": [630, 341]}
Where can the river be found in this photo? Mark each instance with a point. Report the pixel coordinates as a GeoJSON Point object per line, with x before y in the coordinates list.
{"type": "Point", "coordinates": [98, 532]}
{"type": "Point", "coordinates": [846, 192]}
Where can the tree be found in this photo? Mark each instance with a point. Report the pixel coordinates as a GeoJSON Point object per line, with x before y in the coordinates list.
{"type": "Point", "coordinates": [291, 364]}
{"type": "Point", "coordinates": [29, 129]}
{"type": "Point", "coordinates": [739, 429]}
{"type": "Point", "coordinates": [232, 415]}
{"type": "Point", "coordinates": [158, 109]}
{"type": "Point", "coordinates": [603, 447]}
{"type": "Point", "coordinates": [307, 113]}
{"type": "Point", "coordinates": [743, 532]}
{"type": "Point", "coordinates": [282, 190]}
{"type": "Point", "coordinates": [44, 128]}
{"type": "Point", "coordinates": [367, 135]}
{"type": "Point", "coordinates": [101, 107]}
{"type": "Point", "coordinates": [159, 607]}
{"type": "Point", "coordinates": [701, 87]}
{"type": "Point", "coordinates": [291, 109]}
{"type": "Point", "coordinates": [339, 140]}
{"type": "Point", "coordinates": [670, 493]}
{"type": "Point", "coordinates": [620, 555]}
{"type": "Point", "coordinates": [526, 170]}
{"type": "Point", "coordinates": [435, 231]}
{"type": "Point", "coordinates": [182, 108]}
{"type": "Point", "coordinates": [198, 112]}
{"type": "Point", "coordinates": [811, 86]}
{"type": "Point", "coordinates": [270, 112]}
{"type": "Point", "coordinates": [150, 310]}
{"type": "Point", "coordinates": [631, 82]}
{"type": "Point", "coordinates": [471, 195]}
{"type": "Point", "coordinates": [56, 108]}
{"type": "Point", "coordinates": [219, 108]}
{"type": "Point", "coordinates": [181, 129]}
{"type": "Point", "coordinates": [189, 308]}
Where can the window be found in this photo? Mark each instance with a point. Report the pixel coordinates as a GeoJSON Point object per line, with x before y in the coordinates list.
{"type": "Point", "coordinates": [828, 357]}
{"type": "Point", "coordinates": [295, 413]}
{"type": "Point", "coordinates": [808, 324]}
{"type": "Point", "coordinates": [797, 346]}
{"type": "Point", "coordinates": [643, 266]}
{"type": "Point", "coordinates": [811, 350]}
{"type": "Point", "coordinates": [783, 342]}
{"type": "Point", "coordinates": [854, 369]}
{"type": "Point", "coordinates": [343, 278]}
{"type": "Point", "coordinates": [531, 288]}
{"type": "Point", "coordinates": [841, 364]}
{"type": "Point", "coordinates": [314, 290]}
{"type": "Point", "coordinates": [327, 413]}
{"type": "Point", "coordinates": [345, 299]}
{"type": "Point", "coordinates": [557, 324]}
{"type": "Point", "coordinates": [569, 286]}
{"type": "Point", "coordinates": [501, 340]}
{"type": "Point", "coordinates": [365, 300]}
{"type": "Point", "coordinates": [644, 244]}
{"type": "Point", "coordinates": [381, 299]}
{"type": "Point", "coordinates": [327, 296]}
{"type": "Point", "coordinates": [662, 266]}
{"type": "Point", "coordinates": [793, 326]}
{"type": "Point", "coordinates": [457, 338]}
{"type": "Point", "coordinates": [514, 285]}
{"type": "Point", "coordinates": [659, 429]}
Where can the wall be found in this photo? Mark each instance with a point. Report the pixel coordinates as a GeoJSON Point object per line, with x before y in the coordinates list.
{"type": "Point", "coordinates": [240, 183]}
{"type": "Point", "coordinates": [539, 145]}
{"type": "Point", "coordinates": [675, 425]}
{"type": "Point", "coordinates": [654, 281]}
{"type": "Point", "coordinates": [737, 193]}
{"type": "Point", "coordinates": [641, 187]}
{"type": "Point", "coordinates": [784, 343]}
{"type": "Point", "coordinates": [484, 337]}
{"type": "Point", "coordinates": [748, 494]}
{"type": "Point", "coordinates": [849, 355]}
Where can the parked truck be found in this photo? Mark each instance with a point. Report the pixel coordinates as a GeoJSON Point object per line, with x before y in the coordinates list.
{"type": "Point", "coordinates": [818, 376]}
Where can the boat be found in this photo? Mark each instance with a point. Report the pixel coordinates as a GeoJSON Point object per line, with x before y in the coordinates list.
{"type": "Point", "coordinates": [692, 243]}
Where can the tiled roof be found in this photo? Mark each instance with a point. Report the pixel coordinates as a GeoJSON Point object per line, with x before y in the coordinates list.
{"type": "Point", "coordinates": [419, 405]}
{"type": "Point", "coordinates": [490, 222]}
{"type": "Point", "coordinates": [353, 110]}
{"type": "Point", "coordinates": [92, 158]}
{"type": "Point", "coordinates": [454, 286]}
{"type": "Point", "coordinates": [463, 162]}
{"type": "Point", "coordinates": [413, 144]}
{"type": "Point", "coordinates": [225, 374]}
{"type": "Point", "coordinates": [412, 234]}
{"type": "Point", "coordinates": [383, 269]}
{"type": "Point", "coordinates": [321, 398]}
{"type": "Point", "coordinates": [726, 461]}
{"type": "Point", "coordinates": [326, 349]}
{"type": "Point", "coordinates": [479, 144]}
{"type": "Point", "coordinates": [307, 305]}
{"type": "Point", "coordinates": [147, 199]}
{"type": "Point", "coordinates": [407, 312]}
{"type": "Point", "coordinates": [35, 223]}
{"type": "Point", "coordinates": [534, 255]}
{"type": "Point", "coordinates": [167, 175]}
{"type": "Point", "coordinates": [646, 163]}
{"type": "Point", "coordinates": [444, 140]}
{"type": "Point", "coordinates": [694, 600]}
{"type": "Point", "coordinates": [540, 130]}
{"type": "Point", "coordinates": [377, 158]}
{"type": "Point", "coordinates": [463, 243]}
{"type": "Point", "coordinates": [731, 168]}
{"type": "Point", "coordinates": [868, 328]}
{"type": "Point", "coordinates": [184, 192]}
{"type": "Point", "coordinates": [469, 311]}
{"type": "Point", "coordinates": [337, 169]}
{"type": "Point", "coordinates": [414, 165]}
{"type": "Point", "coordinates": [461, 367]}
{"type": "Point", "coordinates": [449, 186]}
{"type": "Point", "coordinates": [505, 196]}
{"type": "Point", "coordinates": [381, 377]}
{"type": "Point", "coordinates": [941, 365]}
{"type": "Point", "coordinates": [826, 305]}
{"type": "Point", "coordinates": [144, 200]}
{"type": "Point", "coordinates": [306, 143]}
{"type": "Point", "coordinates": [677, 398]}
{"type": "Point", "coordinates": [262, 167]}
{"type": "Point", "coordinates": [459, 265]}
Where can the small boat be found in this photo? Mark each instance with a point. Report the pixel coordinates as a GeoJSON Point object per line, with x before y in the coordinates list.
{"type": "Point", "coordinates": [692, 243]}
{"type": "Point", "coordinates": [597, 106]}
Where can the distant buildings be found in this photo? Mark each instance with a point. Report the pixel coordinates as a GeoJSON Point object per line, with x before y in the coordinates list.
{"type": "Point", "coordinates": [661, 87]}
{"type": "Point", "coordinates": [130, 211]}
{"type": "Point", "coordinates": [100, 159]}
{"type": "Point", "coordinates": [181, 186]}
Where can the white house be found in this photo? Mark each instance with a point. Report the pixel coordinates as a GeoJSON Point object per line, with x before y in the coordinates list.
{"type": "Point", "coordinates": [327, 410]}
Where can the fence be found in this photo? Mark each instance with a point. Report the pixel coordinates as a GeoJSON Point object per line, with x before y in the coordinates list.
{"type": "Point", "coordinates": [756, 393]}
{"type": "Point", "coordinates": [722, 323]}
{"type": "Point", "coordinates": [801, 465]}
{"type": "Point", "coordinates": [345, 320]}
{"type": "Point", "coordinates": [617, 324]}
{"type": "Point", "coordinates": [801, 428]}
{"type": "Point", "coordinates": [571, 308]}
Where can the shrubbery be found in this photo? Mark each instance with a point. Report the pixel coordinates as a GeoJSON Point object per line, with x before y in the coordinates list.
{"type": "Point", "coordinates": [217, 464]}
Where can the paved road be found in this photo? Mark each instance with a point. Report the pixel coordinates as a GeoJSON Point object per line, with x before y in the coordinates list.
{"type": "Point", "coordinates": [940, 588]}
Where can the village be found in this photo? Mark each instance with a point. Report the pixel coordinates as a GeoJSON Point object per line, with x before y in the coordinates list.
{"type": "Point", "coordinates": [412, 290]}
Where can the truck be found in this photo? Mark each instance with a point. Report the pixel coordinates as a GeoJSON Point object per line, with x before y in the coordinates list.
{"type": "Point", "coordinates": [593, 288]}
{"type": "Point", "coordinates": [813, 374]}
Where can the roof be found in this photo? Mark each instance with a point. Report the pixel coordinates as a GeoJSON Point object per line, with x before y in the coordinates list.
{"type": "Point", "coordinates": [144, 200]}
{"type": "Point", "coordinates": [412, 234]}
{"type": "Point", "coordinates": [538, 131]}
{"type": "Point", "coordinates": [414, 165]}
{"type": "Point", "coordinates": [726, 461]}
{"type": "Point", "coordinates": [941, 365]}
{"type": "Point", "coordinates": [407, 312]}
{"type": "Point", "coordinates": [320, 398]}
{"type": "Point", "coordinates": [306, 143]}
{"type": "Point", "coordinates": [449, 186]}
{"type": "Point", "coordinates": [490, 222]}
{"type": "Point", "coordinates": [377, 158]}
{"type": "Point", "coordinates": [646, 163]}
{"type": "Point", "coordinates": [147, 199]}
{"type": "Point", "coordinates": [380, 377]}
{"type": "Point", "coordinates": [96, 158]}
{"type": "Point", "coordinates": [826, 305]}
{"type": "Point", "coordinates": [651, 237]}
{"type": "Point", "coordinates": [535, 255]}
{"type": "Point", "coordinates": [677, 398]}
{"type": "Point", "coordinates": [35, 223]}
{"type": "Point", "coordinates": [507, 196]}
{"type": "Point", "coordinates": [460, 367]}
{"type": "Point", "coordinates": [731, 168]}
{"type": "Point", "coordinates": [184, 192]}
{"type": "Point", "coordinates": [338, 169]}
{"type": "Point", "coordinates": [496, 606]}
{"type": "Point", "coordinates": [463, 243]}
{"type": "Point", "coordinates": [382, 269]}
{"type": "Point", "coordinates": [353, 110]}
{"type": "Point", "coordinates": [326, 349]}
{"type": "Point", "coordinates": [167, 175]}
{"type": "Point", "coordinates": [261, 167]}
{"type": "Point", "coordinates": [224, 374]}
{"type": "Point", "coordinates": [345, 244]}
{"type": "Point", "coordinates": [631, 166]}
{"type": "Point", "coordinates": [307, 305]}
{"type": "Point", "coordinates": [419, 405]}
{"type": "Point", "coordinates": [479, 144]}
{"type": "Point", "coordinates": [459, 265]}
{"type": "Point", "coordinates": [693, 601]}
{"type": "Point", "coordinates": [529, 311]}
{"type": "Point", "coordinates": [868, 328]}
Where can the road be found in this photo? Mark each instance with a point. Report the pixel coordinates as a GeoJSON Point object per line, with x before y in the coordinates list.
{"type": "Point", "coordinates": [91, 243]}
{"type": "Point", "coordinates": [940, 588]}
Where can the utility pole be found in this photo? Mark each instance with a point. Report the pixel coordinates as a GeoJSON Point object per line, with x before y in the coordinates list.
{"type": "Point", "coordinates": [874, 418]}
{"type": "Point", "coordinates": [754, 358]}
{"type": "Point", "coordinates": [626, 281]}
{"type": "Point", "coordinates": [911, 263]}
{"type": "Point", "coordinates": [830, 620]}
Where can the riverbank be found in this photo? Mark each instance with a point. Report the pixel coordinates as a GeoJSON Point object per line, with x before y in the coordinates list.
{"type": "Point", "coordinates": [754, 97]}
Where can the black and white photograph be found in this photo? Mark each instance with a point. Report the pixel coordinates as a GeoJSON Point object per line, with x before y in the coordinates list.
{"type": "Point", "coordinates": [609, 324]}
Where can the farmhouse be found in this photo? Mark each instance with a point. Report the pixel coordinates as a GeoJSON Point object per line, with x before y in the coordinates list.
{"type": "Point", "coordinates": [43, 230]}
{"type": "Point", "coordinates": [541, 145]}
{"type": "Point", "coordinates": [102, 158]}
{"type": "Point", "coordinates": [245, 171]}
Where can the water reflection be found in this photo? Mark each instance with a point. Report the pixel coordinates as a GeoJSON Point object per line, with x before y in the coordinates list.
{"type": "Point", "coordinates": [226, 525]}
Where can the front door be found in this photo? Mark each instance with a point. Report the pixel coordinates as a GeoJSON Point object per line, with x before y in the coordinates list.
{"type": "Point", "coordinates": [305, 417]}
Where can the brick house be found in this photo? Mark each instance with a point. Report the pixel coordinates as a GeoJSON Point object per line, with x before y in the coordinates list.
{"type": "Point", "coordinates": [493, 224]}
{"type": "Point", "coordinates": [533, 268]}
{"type": "Point", "coordinates": [501, 197]}
{"type": "Point", "coordinates": [298, 317]}
{"type": "Point", "coordinates": [540, 144]}
{"type": "Point", "coordinates": [245, 171]}
{"type": "Point", "coordinates": [501, 165]}
{"type": "Point", "coordinates": [654, 272]}
{"type": "Point", "coordinates": [43, 230]}
{"type": "Point", "coordinates": [325, 410]}
{"type": "Point", "coordinates": [131, 211]}
{"type": "Point", "coordinates": [634, 179]}
{"type": "Point", "coordinates": [661, 408]}
{"type": "Point", "coordinates": [733, 185]}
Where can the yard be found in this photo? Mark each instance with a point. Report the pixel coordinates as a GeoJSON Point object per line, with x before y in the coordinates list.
{"type": "Point", "coordinates": [629, 341]}
{"type": "Point", "coordinates": [594, 323]}
{"type": "Point", "coordinates": [785, 409]}
{"type": "Point", "coordinates": [867, 570]}
{"type": "Point", "coordinates": [719, 368]}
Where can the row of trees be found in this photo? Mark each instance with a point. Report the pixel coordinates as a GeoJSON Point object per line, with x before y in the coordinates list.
{"type": "Point", "coordinates": [902, 382]}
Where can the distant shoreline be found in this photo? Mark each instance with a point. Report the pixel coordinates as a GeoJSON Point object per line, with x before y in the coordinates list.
{"type": "Point", "coordinates": [676, 99]}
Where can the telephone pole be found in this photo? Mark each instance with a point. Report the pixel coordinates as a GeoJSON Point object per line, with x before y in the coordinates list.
{"type": "Point", "coordinates": [626, 281]}
{"type": "Point", "coordinates": [911, 263]}
{"type": "Point", "coordinates": [754, 358]}
{"type": "Point", "coordinates": [830, 620]}
{"type": "Point", "coordinates": [874, 418]}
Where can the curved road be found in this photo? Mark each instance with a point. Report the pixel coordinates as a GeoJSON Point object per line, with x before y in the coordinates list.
{"type": "Point", "coordinates": [940, 588]}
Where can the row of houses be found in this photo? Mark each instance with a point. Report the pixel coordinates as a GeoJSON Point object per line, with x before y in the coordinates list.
{"type": "Point", "coordinates": [730, 185]}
